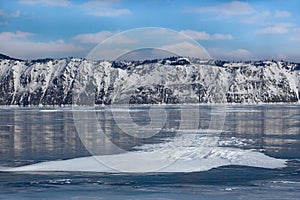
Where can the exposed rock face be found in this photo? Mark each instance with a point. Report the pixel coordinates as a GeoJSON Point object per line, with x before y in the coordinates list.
{"type": "Point", "coordinates": [171, 80]}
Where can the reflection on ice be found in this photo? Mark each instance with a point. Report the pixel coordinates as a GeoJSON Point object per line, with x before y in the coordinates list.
{"type": "Point", "coordinates": [30, 135]}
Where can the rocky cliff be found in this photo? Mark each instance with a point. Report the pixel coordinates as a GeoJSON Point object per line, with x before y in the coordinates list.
{"type": "Point", "coordinates": [170, 80]}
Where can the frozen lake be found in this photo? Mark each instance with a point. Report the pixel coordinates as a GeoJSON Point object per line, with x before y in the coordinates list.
{"type": "Point", "coordinates": [254, 154]}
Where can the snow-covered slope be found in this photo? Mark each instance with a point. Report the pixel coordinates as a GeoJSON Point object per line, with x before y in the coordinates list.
{"type": "Point", "coordinates": [170, 80]}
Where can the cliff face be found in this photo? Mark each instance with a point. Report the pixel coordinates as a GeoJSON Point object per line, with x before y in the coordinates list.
{"type": "Point", "coordinates": [172, 80]}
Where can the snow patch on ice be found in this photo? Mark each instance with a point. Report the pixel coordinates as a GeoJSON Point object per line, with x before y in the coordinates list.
{"type": "Point", "coordinates": [170, 156]}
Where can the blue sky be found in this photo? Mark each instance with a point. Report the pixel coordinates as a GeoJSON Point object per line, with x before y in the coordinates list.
{"type": "Point", "coordinates": [230, 30]}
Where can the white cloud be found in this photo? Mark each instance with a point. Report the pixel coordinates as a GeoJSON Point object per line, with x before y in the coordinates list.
{"type": "Point", "coordinates": [265, 17]}
{"type": "Point", "coordinates": [46, 2]}
{"type": "Point", "coordinates": [279, 28]}
{"type": "Point", "coordinates": [218, 36]}
{"type": "Point", "coordinates": [18, 45]}
{"type": "Point", "coordinates": [99, 8]}
{"type": "Point", "coordinates": [273, 30]}
{"type": "Point", "coordinates": [238, 54]}
{"type": "Point", "coordinates": [104, 8]}
{"type": "Point", "coordinates": [93, 38]}
{"type": "Point", "coordinates": [186, 49]}
{"type": "Point", "coordinates": [199, 35]}
{"type": "Point", "coordinates": [296, 34]}
{"type": "Point", "coordinates": [9, 15]}
{"type": "Point", "coordinates": [297, 30]}
{"type": "Point", "coordinates": [96, 38]}
{"type": "Point", "coordinates": [282, 57]}
{"type": "Point", "coordinates": [282, 14]}
{"type": "Point", "coordinates": [230, 8]}
{"type": "Point", "coordinates": [16, 35]}
{"type": "Point", "coordinates": [108, 54]}
{"type": "Point", "coordinates": [258, 18]}
{"type": "Point", "coordinates": [108, 12]}
{"type": "Point", "coordinates": [296, 38]}
{"type": "Point", "coordinates": [120, 39]}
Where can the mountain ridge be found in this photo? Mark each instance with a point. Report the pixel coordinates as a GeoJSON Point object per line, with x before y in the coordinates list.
{"type": "Point", "coordinates": [218, 61]}
{"type": "Point", "coordinates": [170, 80]}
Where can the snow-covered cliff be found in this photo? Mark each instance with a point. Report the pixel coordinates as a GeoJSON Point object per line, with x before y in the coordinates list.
{"type": "Point", "coordinates": [170, 80]}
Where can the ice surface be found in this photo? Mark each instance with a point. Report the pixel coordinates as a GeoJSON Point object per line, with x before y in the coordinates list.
{"type": "Point", "coordinates": [179, 155]}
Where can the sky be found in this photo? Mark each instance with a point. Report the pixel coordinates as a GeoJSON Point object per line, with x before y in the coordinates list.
{"type": "Point", "coordinates": [227, 30]}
